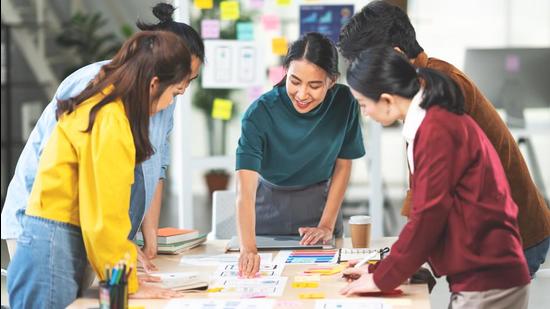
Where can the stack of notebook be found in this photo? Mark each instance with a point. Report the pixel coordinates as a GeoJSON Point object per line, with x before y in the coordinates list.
{"type": "Point", "coordinates": [173, 240]}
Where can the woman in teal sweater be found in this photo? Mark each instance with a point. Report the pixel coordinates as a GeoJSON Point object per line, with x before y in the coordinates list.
{"type": "Point", "coordinates": [295, 151]}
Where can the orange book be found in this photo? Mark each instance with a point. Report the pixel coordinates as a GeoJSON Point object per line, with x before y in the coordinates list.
{"type": "Point", "coordinates": [170, 235]}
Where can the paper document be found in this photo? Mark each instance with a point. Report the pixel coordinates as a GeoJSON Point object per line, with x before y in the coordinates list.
{"type": "Point", "coordinates": [187, 303]}
{"type": "Point", "coordinates": [307, 257]}
{"type": "Point", "coordinates": [215, 260]}
{"type": "Point", "coordinates": [257, 287]}
{"type": "Point", "coordinates": [182, 280]}
{"type": "Point", "coordinates": [266, 270]}
{"type": "Point", "coordinates": [355, 303]}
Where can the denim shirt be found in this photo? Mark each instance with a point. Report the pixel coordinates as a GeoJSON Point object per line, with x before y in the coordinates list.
{"type": "Point", "coordinates": [146, 175]}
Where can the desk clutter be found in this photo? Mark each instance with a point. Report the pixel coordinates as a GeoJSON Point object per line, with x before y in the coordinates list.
{"type": "Point", "coordinates": [226, 281]}
{"type": "Point", "coordinates": [174, 241]}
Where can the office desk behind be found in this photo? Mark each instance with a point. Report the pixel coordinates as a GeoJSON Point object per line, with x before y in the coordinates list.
{"type": "Point", "coordinates": [414, 295]}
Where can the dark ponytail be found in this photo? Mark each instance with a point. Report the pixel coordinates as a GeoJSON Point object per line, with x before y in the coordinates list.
{"type": "Point", "coordinates": [315, 48]}
{"type": "Point", "coordinates": [164, 11]}
{"type": "Point", "coordinates": [381, 69]}
{"type": "Point", "coordinates": [439, 89]}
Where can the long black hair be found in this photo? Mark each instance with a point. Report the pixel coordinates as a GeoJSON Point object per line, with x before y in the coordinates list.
{"type": "Point", "coordinates": [164, 11]}
{"type": "Point", "coordinates": [381, 69]}
{"type": "Point", "coordinates": [143, 56]}
{"type": "Point", "coordinates": [315, 48]}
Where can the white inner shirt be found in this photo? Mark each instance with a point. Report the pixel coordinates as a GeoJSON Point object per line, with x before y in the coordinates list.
{"type": "Point", "coordinates": [413, 120]}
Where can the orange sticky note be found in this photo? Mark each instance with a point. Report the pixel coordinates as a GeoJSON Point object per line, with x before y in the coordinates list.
{"type": "Point", "coordinates": [279, 46]}
{"type": "Point", "coordinates": [204, 4]}
{"type": "Point", "coordinates": [229, 10]}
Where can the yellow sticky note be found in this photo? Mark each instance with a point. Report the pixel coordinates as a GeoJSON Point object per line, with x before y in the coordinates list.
{"type": "Point", "coordinates": [312, 295]}
{"type": "Point", "coordinates": [284, 2]}
{"type": "Point", "coordinates": [279, 46]}
{"type": "Point", "coordinates": [229, 10]}
{"type": "Point", "coordinates": [214, 290]}
{"type": "Point", "coordinates": [204, 4]}
{"type": "Point", "coordinates": [305, 285]}
{"type": "Point", "coordinates": [222, 109]}
{"type": "Point", "coordinates": [311, 278]}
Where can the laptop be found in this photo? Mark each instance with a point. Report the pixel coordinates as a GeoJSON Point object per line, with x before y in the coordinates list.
{"type": "Point", "coordinates": [279, 242]}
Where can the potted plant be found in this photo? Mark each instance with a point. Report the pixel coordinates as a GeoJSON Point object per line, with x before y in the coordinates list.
{"type": "Point", "coordinates": [84, 37]}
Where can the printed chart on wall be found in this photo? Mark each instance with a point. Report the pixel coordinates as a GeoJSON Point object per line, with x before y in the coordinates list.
{"type": "Point", "coordinates": [326, 19]}
{"type": "Point", "coordinates": [233, 64]}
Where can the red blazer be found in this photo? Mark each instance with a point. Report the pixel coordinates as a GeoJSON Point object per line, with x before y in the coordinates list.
{"type": "Point", "coordinates": [463, 219]}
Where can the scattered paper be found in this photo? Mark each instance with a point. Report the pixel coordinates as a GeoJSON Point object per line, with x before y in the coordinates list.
{"type": "Point", "coordinates": [215, 260]}
{"type": "Point", "coordinates": [355, 303]}
{"type": "Point", "coordinates": [232, 270]}
{"type": "Point", "coordinates": [251, 288]}
{"type": "Point", "coordinates": [307, 257]}
{"type": "Point", "coordinates": [188, 303]}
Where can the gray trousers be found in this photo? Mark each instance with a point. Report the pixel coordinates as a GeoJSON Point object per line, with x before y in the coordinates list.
{"type": "Point", "coordinates": [282, 210]}
{"type": "Point", "coordinates": [513, 298]}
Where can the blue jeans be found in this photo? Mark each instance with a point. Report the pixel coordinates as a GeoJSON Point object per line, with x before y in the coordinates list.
{"type": "Point", "coordinates": [536, 255]}
{"type": "Point", "coordinates": [48, 266]}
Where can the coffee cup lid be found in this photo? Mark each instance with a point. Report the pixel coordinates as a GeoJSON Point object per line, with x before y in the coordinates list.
{"type": "Point", "coordinates": [360, 220]}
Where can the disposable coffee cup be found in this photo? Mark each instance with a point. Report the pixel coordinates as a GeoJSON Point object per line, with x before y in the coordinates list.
{"type": "Point", "coordinates": [360, 231]}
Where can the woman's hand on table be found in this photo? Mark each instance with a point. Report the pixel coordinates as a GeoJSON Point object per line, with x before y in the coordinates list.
{"type": "Point", "coordinates": [313, 235]}
{"type": "Point", "coordinates": [151, 291]}
{"type": "Point", "coordinates": [352, 273]}
{"type": "Point", "coordinates": [364, 284]}
{"type": "Point", "coordinates": [249, 263]}
{"type": "Point", "coordinates": [145, 262]}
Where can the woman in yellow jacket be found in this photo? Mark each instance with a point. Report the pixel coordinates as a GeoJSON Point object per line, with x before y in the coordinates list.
{"type": "Point", "coordinates": [78, 208]}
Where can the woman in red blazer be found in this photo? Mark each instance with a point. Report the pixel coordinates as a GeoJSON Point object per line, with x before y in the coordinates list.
{"type": "Point", "coordinates": [463, 220]}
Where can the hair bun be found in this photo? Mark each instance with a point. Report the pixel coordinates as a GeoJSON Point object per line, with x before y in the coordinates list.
{"type": "Point", "coordinates": [163, 11]}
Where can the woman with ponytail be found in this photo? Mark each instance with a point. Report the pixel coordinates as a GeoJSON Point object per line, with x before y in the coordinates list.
{"type": "Point", "coordinates": [78, 208]}
{"type": "Point", "coordinates": [463, 220]}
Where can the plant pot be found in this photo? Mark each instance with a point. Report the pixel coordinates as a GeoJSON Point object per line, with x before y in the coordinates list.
{"type": "Point", "coordinates": [216, 181]}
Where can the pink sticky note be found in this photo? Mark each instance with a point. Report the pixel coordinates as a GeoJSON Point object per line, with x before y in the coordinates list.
{"type": "Point", "coordinates": [256, 4]}
{"type": "Point", "coordinates": [210, 29]}
{"type": "Point", "coordinates": [276, 74]}
{"type": "Point", "coordinates": [271, 22]}
{"type": "Point", "coordinates": [254, 93]}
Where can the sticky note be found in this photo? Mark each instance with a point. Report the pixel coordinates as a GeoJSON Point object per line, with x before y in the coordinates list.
{"type": "Point", "coordinates": [276, 74]}
{"type": "Point", "coordinates": [245, 31]}
{"type": "Point", "coordinates": [271, 22]}
{"type": "Point", "coordinates": [310, 278]}
{"type": "Point", "coordinates": [254, 93]}
{"type": "Point", "coordinates": [279, 46]}
{"type": "Point", "coordinates": [222, 109]}
{"type": "Point", "coordinates": [256, 4]}
{"type": "Point", "coordinates": [284, 2]}
{"type": "Point", "coordinates": [312, 295]}
{"type": "Point", "coordinates": [229, 10]}
{"type": "Point", "coordinates": [204, 4]}
{"type": "Point", "coordinates": [305, 284]}
{"type": "Point", "coordinates": [210, 29]}
{"type": "Point", "coordinates": [214, 290]}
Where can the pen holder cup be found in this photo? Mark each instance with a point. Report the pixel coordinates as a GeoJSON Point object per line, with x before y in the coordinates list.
{"type": "Point", "coordinates": [113, 296]}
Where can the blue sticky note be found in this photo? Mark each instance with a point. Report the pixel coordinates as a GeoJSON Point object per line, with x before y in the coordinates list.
{"type": "Point", "coordinates": [245, 31]}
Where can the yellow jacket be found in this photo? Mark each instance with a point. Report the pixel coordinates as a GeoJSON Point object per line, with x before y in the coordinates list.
{"type": "Point", "coordinates": [84, 179]}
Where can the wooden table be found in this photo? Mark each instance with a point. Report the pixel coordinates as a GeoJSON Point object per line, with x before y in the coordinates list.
{"type": "Point", "coordinates": [414, 296]}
